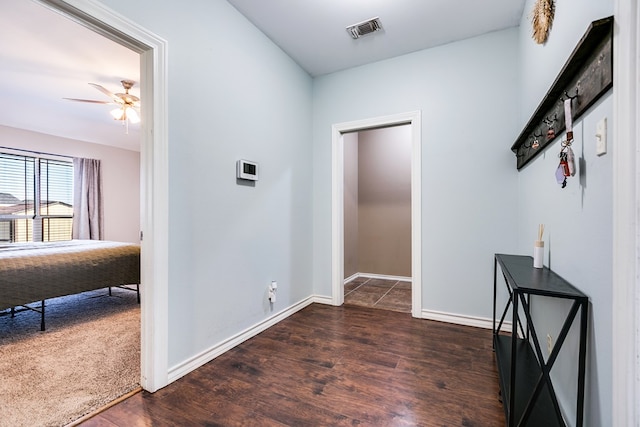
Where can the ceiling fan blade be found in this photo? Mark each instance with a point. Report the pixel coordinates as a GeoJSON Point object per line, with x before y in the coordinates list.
{"type": "Point", "coordinates": [89, 100]}
{"type": "Point", "coordinates": [106, 92]}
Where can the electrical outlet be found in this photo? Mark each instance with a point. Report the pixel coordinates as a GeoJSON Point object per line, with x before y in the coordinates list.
{"type": "Point", "coordinates": [273, 287]}
{"type": "Point", "coordinates": [601, 137]}
{"type": "Point", "coordinates": [549, 343]}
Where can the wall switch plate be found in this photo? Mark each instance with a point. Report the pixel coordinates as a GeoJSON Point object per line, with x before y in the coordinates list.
{"type": "Point", "coordinates": [601, 137]}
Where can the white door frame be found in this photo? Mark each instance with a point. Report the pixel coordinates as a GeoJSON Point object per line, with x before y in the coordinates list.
{"type": "Point", "coordinates": [154, 175]}
{"type": "Point", "coordinates": [337, 203]}
{"type": "Point", "coordinates": [626, 219]}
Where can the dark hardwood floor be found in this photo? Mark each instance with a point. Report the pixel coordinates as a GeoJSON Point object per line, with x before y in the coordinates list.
{"type": "Point", "coordinates": [327, 366]}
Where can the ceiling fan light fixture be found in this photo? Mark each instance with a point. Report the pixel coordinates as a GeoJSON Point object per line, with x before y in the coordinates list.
{"type": "Point", "coordinates": [126, 113]}
{"type": "Point", "coordinates": [132, 115]}
{"type": "Point", "coordinates": [127, 103]}
{"type": "Point", "coordinates": [118, 114]}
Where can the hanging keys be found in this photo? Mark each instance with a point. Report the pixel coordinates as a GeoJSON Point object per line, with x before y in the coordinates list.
{"type": "Point", "coordinates": [562, 172]}
{"type": "Point", "coordinates": [565, 164]}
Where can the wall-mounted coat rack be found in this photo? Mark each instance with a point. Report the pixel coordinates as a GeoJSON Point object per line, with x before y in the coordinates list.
{"type": "Point", "coordinates": [587, 75]}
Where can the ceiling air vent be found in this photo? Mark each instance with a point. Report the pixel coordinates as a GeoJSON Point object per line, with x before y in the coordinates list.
{"type": "Point", "coordinates": [363, 28]}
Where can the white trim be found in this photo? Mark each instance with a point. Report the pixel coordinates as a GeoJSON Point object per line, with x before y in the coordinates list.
{"type": "Point", "coordinates": [337, 201]}
{"type": "Point", "coordinates": [626, 234]}
{"type": "Point", "coordinates": [211, 353]}
{"type": "Point", "coordinates": [154, 175]}
{"type": "Point", "coordinates": [337, 215]}
{"type": "Point", "coordinates": [351, 278]}
{"type": "Point", "coordinates": [376, 276]}
{"type": "Point", "coordinates": [464, 320]}
{"type": "Point", "coordinates": [155, 221]}
{"type": "Point", "coordinates": [416, 214]}
{"type": "Point", "coordinates": [321, 299]}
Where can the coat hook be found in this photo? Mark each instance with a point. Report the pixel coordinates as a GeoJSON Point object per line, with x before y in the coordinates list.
{"type": "Point", "coordinates": [536, 142]}
{"type": "Point", "coordinates": [524, 149]}
{"type": "Point", "coordinates": [562, 99]}
{"type": "Point", "coordinates": [551, 132]}
{"type": "Point", "coordinates": [549, 121]}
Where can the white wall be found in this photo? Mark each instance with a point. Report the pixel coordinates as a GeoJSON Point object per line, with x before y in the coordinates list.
{"type": "Point", "coordinates": [121, 176]}
{"type": "Point", "coordinates": [578, 218]}
{"type": "Point", "coordinates": [467, 94]}
{"type": "Point", "coordinates": [233, 95]}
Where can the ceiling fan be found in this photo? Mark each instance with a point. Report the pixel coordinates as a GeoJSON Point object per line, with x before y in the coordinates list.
{"type": "Point", "coordinates": [128, 104]}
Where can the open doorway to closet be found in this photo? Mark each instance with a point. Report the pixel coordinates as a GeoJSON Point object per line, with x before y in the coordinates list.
{"type": "Point", "coordinates": [377, 218]}
{"type": "Point", "coordinates": [342, 256]}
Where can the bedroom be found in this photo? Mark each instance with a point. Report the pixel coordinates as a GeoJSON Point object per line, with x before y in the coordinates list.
{"type": "Point", "coordinates": [55, 130]}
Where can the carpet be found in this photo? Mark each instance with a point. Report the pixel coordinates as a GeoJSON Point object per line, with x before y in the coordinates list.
{"type": "Point", "coordinates": [88, 356]}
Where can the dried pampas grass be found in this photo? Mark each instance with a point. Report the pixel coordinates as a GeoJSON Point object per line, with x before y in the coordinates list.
{"type": "Point", "coordinates": [541, 19]}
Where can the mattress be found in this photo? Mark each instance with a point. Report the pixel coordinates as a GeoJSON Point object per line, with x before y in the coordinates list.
{"type": "Point", "coordinates": [33, 272]}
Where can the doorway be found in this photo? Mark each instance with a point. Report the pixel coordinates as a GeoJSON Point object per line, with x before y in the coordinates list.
{"type": "Point", "coordinates": [154, 175]}
{"type": "Point", "coordinates": [377, 218]}
{"type": "Point", "coordinates": [626, 286]}
{"type": "Point", "coordinates": [339, 131]}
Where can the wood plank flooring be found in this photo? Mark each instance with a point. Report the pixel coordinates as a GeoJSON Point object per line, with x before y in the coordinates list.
{"type": "Point", "coordinates": [333, 366]}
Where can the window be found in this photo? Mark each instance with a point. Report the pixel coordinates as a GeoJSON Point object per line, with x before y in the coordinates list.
{"type": "Point", "coordinates": [36, 199]}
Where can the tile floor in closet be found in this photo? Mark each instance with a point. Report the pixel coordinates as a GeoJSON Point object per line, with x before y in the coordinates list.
{"type": "Point", "coordinates": [385, 294]}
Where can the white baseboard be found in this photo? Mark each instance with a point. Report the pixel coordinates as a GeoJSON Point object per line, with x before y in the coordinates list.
{"type": "Point", "coordinates": [461, 319]}
{"type": "Point", "coordinates": [191, 364]}
{"type": "Point", "coordinates": [320, 299]}
{"type": "Point", "coordinates": [376, 276]}
{"type": "Point", "coordinates": [354, 276]}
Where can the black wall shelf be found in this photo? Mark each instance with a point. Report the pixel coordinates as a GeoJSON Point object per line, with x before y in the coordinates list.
{"type": "Point", "coordinates": [527, 391]}
{"type": "Point", "coordinates": [586, 76]}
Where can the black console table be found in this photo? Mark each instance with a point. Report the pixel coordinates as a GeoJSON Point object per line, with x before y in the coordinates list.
{"type": "Point", "coordinates": [527, 392]}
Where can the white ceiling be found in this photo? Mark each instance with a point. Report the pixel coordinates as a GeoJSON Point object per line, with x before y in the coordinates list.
{"type": "Point", "coordinates": [46, 57]}
{"type": "Point", "coordinates": [313, 32]}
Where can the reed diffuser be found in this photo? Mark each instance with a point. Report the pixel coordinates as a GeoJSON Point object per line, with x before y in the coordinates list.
{"type": "Point", "coordinates": [538, 248]}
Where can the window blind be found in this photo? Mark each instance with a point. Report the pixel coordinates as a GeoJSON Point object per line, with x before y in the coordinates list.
{"type": "Point", "coordinates": [36, 199]}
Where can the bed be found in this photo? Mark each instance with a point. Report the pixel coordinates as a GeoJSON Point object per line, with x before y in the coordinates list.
{"type": "Point", "coordinates": [34, 272]}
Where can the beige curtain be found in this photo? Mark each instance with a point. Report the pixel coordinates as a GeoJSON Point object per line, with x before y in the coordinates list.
{"type": "Point", "coordinates": [87, 200]}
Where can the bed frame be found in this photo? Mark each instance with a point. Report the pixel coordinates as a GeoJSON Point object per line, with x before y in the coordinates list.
{"type": "Point", "coordinates": [35, 272]}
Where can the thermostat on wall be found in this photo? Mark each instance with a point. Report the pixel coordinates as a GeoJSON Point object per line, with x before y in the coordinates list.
{"type": "Point", "coordinates": [247, 170]}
